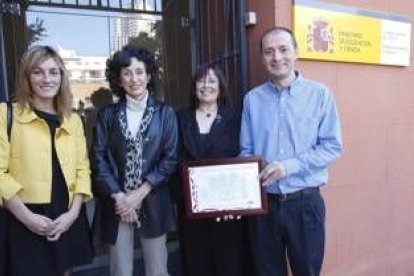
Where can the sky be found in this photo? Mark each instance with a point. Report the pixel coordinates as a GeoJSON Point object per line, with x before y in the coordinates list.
{"type": "Point", "coordinates": [87, 35]}
{"type": "Point", "coordinates": [85, 32]}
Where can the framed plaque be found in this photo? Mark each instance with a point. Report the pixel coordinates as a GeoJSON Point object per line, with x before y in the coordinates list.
{"type": "Point", "coordinates": [228, 186]}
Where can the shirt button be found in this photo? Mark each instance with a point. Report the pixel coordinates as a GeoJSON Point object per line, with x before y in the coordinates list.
{"type": "Point", "coordinates": [72, 187]}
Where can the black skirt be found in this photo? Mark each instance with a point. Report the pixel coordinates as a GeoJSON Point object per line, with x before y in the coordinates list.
{"type": "Point", "coordinates": [3, 242]}
{"type": "Point", "coordinates": [31, 254]}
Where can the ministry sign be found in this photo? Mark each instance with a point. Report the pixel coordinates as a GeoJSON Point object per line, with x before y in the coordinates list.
{"type": "Point", "coordinates": [334, 32]}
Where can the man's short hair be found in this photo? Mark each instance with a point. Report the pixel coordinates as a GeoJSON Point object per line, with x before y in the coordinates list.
{"type": "Point", "coordinates": [278, 29]}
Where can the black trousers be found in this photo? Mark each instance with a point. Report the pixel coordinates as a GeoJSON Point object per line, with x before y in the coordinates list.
{"type": "Point", "coordinates": [3, 241]}
{"type": "Point", "coordinates": [294, 230]}
{"type": "Point", "coordinates": [210, 248]}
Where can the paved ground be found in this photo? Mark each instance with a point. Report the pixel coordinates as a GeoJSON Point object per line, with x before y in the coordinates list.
{"type": "Point", "coordinates": [99, 267]}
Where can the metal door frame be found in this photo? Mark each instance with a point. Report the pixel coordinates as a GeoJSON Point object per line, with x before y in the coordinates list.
{"type": "Point", "coordinates": [238, 55]}
{"type": "Point", "coordinates": [101, 5]}
{"type": "Point", "coordinates": [222, 53]}
{"type": "Point", "coordinates": [4, 95]}
{"type": "Point", "coordinates": [11, 8]}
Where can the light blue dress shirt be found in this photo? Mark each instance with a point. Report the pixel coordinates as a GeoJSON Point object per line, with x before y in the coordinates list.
{"type": "Point", "coordinates": [297, 126]}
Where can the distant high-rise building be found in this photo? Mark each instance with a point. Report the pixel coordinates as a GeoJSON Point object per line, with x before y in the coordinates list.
{"type": "Point", "coordinates": [126, 26]}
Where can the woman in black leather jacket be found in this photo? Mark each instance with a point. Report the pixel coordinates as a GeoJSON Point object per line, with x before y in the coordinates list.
{"type": "Point", "coordinates": [134, 154]}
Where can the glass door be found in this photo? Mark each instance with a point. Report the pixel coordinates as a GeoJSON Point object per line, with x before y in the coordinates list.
{"type": "Point", "coordinates": [85, 40]}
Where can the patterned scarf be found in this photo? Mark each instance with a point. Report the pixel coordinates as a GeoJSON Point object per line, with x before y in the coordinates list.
{"type": "Point", "coordinates": [134, 147]}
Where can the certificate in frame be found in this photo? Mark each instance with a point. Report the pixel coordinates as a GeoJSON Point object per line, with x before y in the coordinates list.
{"type": "Point", "coordinates": [226, 186]}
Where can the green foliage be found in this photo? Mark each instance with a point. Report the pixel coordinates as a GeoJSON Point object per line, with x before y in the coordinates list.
{"type": "Point", "coordinates": [36, 31]}
{"type": "Point", "coordinates": [153, 41]}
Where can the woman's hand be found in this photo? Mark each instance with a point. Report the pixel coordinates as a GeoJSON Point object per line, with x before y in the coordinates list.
{"type": "Point", "coordinates": [122, 206]}
{"type": "Point", "coordinates": [130, 217]}
{"type": "Point", "coordinates": [127, 204]}
{"type": "Point", "coordinates": [38, 224]}
{"type": "Point", "coordinates": [227, 217]}
{"type": "Point", "coordinates": [61, 225]}
{"type": "Point", "coordinates": [135, 198]}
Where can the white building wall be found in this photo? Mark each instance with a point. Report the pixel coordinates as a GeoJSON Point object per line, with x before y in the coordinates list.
{"type": "Point", "coordinates": [83, 68]}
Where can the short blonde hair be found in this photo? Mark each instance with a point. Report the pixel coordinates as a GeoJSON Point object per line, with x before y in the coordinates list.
{"type": "Point", "coordinates": [30, 60]}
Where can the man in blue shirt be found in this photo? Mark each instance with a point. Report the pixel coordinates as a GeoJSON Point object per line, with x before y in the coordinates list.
{"type": "Point", "coordinates": [293, 123]}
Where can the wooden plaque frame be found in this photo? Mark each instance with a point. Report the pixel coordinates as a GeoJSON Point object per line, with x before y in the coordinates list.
{"type": "Point", "coordinates": [190, 187]}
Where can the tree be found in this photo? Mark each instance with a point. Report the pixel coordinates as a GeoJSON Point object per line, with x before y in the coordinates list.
{"type": "Point", "coordinates": [36, 31]}
{"type": "Point", "coordinates": [154, 43]}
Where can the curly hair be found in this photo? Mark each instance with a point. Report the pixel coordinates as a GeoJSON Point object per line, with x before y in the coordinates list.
{"type": "Point", "coordinates": [202, 71]}
{"type": "Point", "coordinates": [31, 59]}
{"type": "Point", "coordinates": [122, 59]}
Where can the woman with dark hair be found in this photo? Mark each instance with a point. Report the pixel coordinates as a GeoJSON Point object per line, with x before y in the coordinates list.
{"type": "Point", "coordinates": [133, 155]}
{"type": "Point", "coordinates": [210, 129]}
{"type": "Point", "coordinates": [44, 171]}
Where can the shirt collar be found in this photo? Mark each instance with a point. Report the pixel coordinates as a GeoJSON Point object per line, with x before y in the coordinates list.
{"type": "Point", "coordinates": [291, 89]}
{"type": "Point", "coordinates": [26, 116]}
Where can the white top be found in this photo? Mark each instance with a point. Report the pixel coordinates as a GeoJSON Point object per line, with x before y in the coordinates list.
{"type": "Point", "coordinates": [134, 112]}
{"type": "Point", "coordinates": [205, 120]}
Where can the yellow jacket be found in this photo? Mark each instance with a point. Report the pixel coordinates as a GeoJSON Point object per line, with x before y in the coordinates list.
{"type": "Point", "coordinates": [26, 162]}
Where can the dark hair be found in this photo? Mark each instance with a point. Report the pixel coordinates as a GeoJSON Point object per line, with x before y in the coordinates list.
{"type": "Point", "coordinates": [278, 29]}
{"type": "Point", "coordinates": [101, 97]}
{"type": "Point", "coordinates": [122, 59]}
{"type": "Point", "coordinates": [200, 73]}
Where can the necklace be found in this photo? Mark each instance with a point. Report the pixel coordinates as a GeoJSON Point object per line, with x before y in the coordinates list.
{"type": "Point", "coordinates": [207, 113]}
{"type": "Point", "coordinates": [205, 120]}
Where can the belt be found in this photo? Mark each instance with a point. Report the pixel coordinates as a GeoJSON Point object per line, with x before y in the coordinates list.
{"type": "Point", "coordinates": [295, 195]}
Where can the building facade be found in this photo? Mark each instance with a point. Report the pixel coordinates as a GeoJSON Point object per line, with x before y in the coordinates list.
{"type": "Point", "coordinates": [126, 27]}
{"type": "Point", "coordinates": [86, 75]}
{"type": "Point", "coordinates": [370, 194]}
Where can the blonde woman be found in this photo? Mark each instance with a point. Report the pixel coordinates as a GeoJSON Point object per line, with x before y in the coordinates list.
{"type": "Point", "coordinates": [44, 171]}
